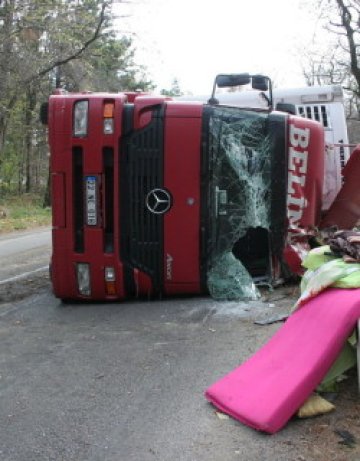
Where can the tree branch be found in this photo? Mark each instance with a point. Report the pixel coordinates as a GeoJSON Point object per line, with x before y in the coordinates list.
{"type": "Point", "coordinates": [78, 53]}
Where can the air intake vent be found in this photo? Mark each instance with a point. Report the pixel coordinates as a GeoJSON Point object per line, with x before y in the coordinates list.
{"type": "Point", "coordinates": [108, 167]}
{"type": "Point", "coordinates": [141, 171]}
{"type": "Point", "coordinates": [78, 199]}
{"type": "Point", "coordinates": [315, 112]}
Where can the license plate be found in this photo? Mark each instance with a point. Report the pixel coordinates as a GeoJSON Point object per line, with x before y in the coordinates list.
{"type": "Point", "coordinates": [91, 200]}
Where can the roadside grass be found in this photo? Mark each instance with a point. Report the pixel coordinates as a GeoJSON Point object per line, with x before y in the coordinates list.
{"type": "Point", "coordinates": [23, 212]}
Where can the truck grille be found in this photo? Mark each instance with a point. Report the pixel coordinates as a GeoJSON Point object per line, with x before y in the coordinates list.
{"type": "Point", "coordinates": [141, 170]}
{"type": "Point", "coordinates": [78, 198]}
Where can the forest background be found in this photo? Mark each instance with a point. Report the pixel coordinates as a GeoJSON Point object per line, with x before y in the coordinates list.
{"type": "Point", "coordinates": [74, 45]}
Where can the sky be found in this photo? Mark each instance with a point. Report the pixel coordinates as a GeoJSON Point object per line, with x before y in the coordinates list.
{"type": "Point", "coordinates": [193, 40]}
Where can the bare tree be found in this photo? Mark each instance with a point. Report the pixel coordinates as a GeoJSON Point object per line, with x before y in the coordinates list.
{"type": "Point", "coordinates": [347, 29]}
{"type": "Point", "coordinates": [340, 61]}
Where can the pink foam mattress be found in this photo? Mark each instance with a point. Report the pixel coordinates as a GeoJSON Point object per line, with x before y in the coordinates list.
{"type": "Point", "coordinates": [266, 390]}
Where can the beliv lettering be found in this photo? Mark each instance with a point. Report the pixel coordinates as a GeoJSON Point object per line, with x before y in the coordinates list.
{"type": "Point", "coordinates": [297, 170]}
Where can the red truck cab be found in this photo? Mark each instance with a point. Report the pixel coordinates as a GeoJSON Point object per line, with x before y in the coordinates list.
{"type": "Point", "coordinates": [149, 194]}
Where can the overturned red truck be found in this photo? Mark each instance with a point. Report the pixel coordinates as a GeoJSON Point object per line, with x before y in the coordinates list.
{"type": "Point", "coordinates": [152, 196]}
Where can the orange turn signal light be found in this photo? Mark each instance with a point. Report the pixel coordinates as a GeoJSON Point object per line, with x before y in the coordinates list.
{"type": "Point", "coordinates": [109, 110]}
{"type": "Point", "coordinates": [110, 288]}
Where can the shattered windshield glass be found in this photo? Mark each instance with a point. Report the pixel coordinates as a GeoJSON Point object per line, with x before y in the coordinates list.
{"type": "Point", "coordinates": [239, 198]}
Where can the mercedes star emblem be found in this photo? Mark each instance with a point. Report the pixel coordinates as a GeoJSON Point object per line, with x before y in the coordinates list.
{"type": "Point", "coordinates": [158, 201]}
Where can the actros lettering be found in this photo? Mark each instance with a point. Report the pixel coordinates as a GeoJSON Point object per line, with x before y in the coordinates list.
{"type": "Point", "coordinates": [169, 264]}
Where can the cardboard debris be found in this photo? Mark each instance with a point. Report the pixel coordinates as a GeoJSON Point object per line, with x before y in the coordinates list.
{"type": "Point", "coordinates": [315, 405]}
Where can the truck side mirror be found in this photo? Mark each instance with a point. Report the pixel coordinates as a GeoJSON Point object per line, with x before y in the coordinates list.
{"type": "Point", "coordinates": [286, 107]}
{"type": "Point", "coordinates": [230, 80]}
{"type": "Point", "coordinates": [259, 82]}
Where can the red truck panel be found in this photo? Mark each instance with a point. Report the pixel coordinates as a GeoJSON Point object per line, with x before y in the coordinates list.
{"type": "Point", "coordinates": [345, 210]}
{"type": "Point", "coordinates": [182, 221]}
{"type": "Point", "coordinates": [62, 143]}
{"type": "Point", "coordinates": [305, 183]}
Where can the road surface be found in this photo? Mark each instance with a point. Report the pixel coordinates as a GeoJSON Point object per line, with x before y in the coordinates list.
{"type": "Point", "coordinates": [125, 382]}
{"type": "Point", "coordinates": [24, 253]}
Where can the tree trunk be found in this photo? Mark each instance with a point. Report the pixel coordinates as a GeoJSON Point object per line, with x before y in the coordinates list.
{"type": "Point", "coordinates": [6, 49]}
{"type": "Point", "coordinates": [47, 196]}
{"type": "Point", "coordinates": [29, 111]}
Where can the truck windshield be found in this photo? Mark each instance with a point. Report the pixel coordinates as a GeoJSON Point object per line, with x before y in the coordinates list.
{"type": "Point", "coordinates": [240, 150]}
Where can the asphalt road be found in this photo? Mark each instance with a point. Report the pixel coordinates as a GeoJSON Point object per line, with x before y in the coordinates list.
{"type": "Point", "coordinates": [24, 253]}
{"type": "Point", "coordinates": [20, 242]}
{"type": "Point", "coordinates": [125, 382]}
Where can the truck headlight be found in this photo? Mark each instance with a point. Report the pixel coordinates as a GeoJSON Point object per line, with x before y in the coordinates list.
{"type": "Point", "coordinates": [108, 126]}
{"type": "Point", "coordinates": [81, 109]}
{"type": "Point", "coordinates": [110, 274]}
{"type": "Point", "coordinates": [83, 278]}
